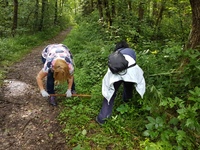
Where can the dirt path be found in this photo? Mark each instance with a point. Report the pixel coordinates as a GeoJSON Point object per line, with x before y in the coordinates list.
{"type": "Point", "coordinates": [27, 121]}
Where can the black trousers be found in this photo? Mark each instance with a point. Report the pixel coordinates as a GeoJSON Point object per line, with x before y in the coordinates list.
{"type": "Point", "coordinates": [106, 109]}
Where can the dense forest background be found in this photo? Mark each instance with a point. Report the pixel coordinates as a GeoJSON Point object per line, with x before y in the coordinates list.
{"type": "Point", "coordinates": [165, 35]}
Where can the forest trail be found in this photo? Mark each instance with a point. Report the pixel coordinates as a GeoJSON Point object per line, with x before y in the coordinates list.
{"type": "Point", "coordinates": [27, 121]}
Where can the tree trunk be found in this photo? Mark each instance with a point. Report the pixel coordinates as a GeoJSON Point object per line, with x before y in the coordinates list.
{"type": "Point", "coordinates": [15, 17]}
{"type": "Point", "coordinates": [100, 8]}
{"type": "Point", "coordinates": [107, 12]}
{"type": "Point", "coordinates": [42, 14]}
{"type": "Point", "coordinates": [56, 12]}
{"type": "Point", "coordinates": [113, 8]}
{"type": "Point", "coordinates": [129, 4]}
{"type": "Point", "coordinates": [36, 14]}
{"type": "Point", "coordinates": [28, 18]}
{"type": "Point", "coordinates": [158, 20]}
{"type": "Point", "coordinates": [141, 11]}
{"type": "Point", "coordinates": [160, 14]}
{"type": "Point", "coordinates": [155, 9]}
{"type": "Point", "coordinates": [194, 37]}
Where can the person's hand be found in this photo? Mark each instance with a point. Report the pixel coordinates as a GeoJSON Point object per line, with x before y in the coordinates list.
{"type": "Point", "coordinates": [69, 93]}
{"type": "Point", "coordinates": [44, 93]}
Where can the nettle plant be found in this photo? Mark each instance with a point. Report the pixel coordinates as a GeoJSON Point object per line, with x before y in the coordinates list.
{"type": "Point", "coordinates": [174, 106]}
{"type": "Point", "coordinates": [179, 122]}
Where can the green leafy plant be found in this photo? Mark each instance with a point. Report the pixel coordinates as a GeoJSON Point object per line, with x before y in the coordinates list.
{"type": "Point", "coordinates": [164, 118]}
{"type": "Point", "coordinates": [181, 125]}
{"type": "Point", "coordinates": [123, 108]}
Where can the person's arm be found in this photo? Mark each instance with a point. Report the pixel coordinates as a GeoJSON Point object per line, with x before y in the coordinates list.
{"type": "Point", "coordinates": [39, 78]}
{"type": "Point", "coordinates": [70, 82]}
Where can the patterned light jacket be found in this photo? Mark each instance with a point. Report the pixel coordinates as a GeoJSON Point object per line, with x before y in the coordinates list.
{"type": "Point", "coordinates": [57, 51]}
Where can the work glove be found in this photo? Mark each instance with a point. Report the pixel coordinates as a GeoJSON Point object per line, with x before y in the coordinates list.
{"type": "Point", "coordinates": [69, 93]}
{"type": "Point", "coordinates": [44, 93]}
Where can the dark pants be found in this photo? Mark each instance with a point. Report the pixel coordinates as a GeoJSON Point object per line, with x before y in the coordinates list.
{"type": "Point", "coordinates": [106, 109]}
{"type": "Point", "coordinates": [50, 81]}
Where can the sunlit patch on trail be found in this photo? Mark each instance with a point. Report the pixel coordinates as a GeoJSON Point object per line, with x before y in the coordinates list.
{"type": "Point", "coordinates": [15, 88]}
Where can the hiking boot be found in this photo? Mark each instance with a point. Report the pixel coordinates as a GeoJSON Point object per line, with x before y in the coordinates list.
{"type": "Point", "coordinates": [52, 100]}
{"type": "Point", "coordinates": [99, 122]}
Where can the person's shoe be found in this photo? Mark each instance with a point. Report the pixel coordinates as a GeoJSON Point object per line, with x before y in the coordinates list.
{"type": "Point", "coordinates": [52, 100]}
{"type": "Point", "coordinates": [98, 121]}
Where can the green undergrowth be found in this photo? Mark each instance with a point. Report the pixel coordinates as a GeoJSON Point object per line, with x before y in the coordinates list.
{"type": "Point", "coordinates": [14, 48]}
{"type": "Point", "coordinates": [121, 131]}
{"type": "Point", "coordinates": [166, 118]}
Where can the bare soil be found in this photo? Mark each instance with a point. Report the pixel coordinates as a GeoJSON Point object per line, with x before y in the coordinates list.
{"type": "Point", "coordinates": [27, 121]}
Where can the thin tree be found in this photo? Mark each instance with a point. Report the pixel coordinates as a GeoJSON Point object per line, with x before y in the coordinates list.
{"type": "Point", "coordinates": [15, 17]}
{"type": "Point", "coordinates": [36, 15]}
{"type": "Point", "coordinates": [159, 17]}
{"type": "Point", "coordinates": [113, 8]}
{"type": "Point", "coordinates": [194, 36]}
{"type": "Point", "coordinates": [160, 14]}
{"type": "Point", "coordinates": [100, 8]}
{"type": "Point", "coordinates": [107, 12]}
{"type": "Point", "coordinates": [141, 11]}
{"type": "Point", "coordinates": [129, 4]}
{"type": "Point", "coordinates": [44, 2]}
{"type": "Point", "coordinates": [56, 12]}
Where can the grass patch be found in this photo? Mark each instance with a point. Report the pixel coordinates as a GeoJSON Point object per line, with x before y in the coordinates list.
{"type": "Point", "coordinates": [15, 48]}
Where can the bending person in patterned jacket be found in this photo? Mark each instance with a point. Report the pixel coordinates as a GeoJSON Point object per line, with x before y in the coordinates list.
{"type": "Point", "coordinates": [58, 67]}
